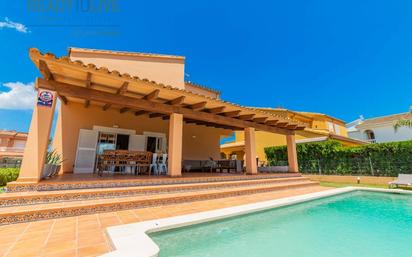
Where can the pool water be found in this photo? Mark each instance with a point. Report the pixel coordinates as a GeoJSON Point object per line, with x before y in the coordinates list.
{"type": "Point", "coordinates": [357, 224]}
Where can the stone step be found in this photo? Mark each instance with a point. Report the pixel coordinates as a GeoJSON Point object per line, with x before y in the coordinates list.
{"type": "Point", "coordinates": [118, 181]}
{"type": "Point", "coordinates": [35, 212]}
{"type": "Point", "coordinates": [35, 197]}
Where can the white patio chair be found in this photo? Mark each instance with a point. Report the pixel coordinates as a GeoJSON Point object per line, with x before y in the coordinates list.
{"type": "Point", "coordinates": [163, 165]}
{"type": "Point", "coordinates": [153, 165]}
{"type": "Point", "coordinates": [403, 179]}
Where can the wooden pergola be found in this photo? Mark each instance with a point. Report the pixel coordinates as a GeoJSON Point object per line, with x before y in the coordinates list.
{"type": "Point", "coordinates": [73, 81]}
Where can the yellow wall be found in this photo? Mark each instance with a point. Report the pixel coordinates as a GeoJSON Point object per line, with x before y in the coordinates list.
{"type": "Point", "coordinates": [199, 142]}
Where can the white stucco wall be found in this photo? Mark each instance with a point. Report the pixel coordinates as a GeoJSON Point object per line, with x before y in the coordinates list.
{"type": "Point", "coordinates": [384, 133]}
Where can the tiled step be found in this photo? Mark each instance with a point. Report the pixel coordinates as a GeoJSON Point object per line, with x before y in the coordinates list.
{"type": "Point", "coordinates": [25, 198]}
{"type": "Point", "coordinates": [107, 182]}
{"type": "Point", "coordinates": [27, 213]}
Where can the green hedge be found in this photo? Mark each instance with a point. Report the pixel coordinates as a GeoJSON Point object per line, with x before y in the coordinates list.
{"type": "Point", "coordinates": [8, 175]}
{"type": "Point", "coordinates": [330, 157]}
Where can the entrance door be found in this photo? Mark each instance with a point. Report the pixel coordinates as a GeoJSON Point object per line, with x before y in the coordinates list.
{"type": "Point", "coordinates": [122, 142]}
{"type": "Point", "coordinates": [151, 144]}
{"type": "Point", "coordinates": [86, 151]}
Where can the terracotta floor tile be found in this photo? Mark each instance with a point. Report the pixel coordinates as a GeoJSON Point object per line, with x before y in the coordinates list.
{"type": "Point", "coordinates": [64, 253]}
{"type": "Point", "coordinates": [93, 250]}
{"type": "Point", "coordinates": [85, 235]}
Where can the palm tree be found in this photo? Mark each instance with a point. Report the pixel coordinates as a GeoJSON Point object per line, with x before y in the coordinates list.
{"type": "Point", "coordinates": [404, 122]}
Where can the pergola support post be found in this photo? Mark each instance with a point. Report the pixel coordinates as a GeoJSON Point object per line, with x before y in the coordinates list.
{"type": "Point", "coordinates": [250, 151]}
{"type": "Point", "coordinates": [292, 154]}
{"type": "Point", "coordinates": [175, 145]}
{"type": "Point", "coordinates": [37, 142]}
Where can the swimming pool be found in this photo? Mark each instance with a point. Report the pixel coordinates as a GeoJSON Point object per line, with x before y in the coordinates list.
{"type": "Point", "coordinates": [354, 224]}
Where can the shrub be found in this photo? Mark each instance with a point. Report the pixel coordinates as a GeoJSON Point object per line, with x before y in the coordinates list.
{"type": "Point", "coordinates": [8, 175]}
{"type": "Point", "coordinates": [330, 157]}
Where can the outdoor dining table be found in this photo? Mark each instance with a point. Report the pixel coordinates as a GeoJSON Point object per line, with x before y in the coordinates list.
{"type": "Point", "coordinates": [124, 161]}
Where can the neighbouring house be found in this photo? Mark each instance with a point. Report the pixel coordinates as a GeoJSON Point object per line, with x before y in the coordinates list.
{"type": "Point", "coordinates": [320, 127]}
{"type": "Point", "coordinates": [380, 129]}
{"type": "Point", "coordinates": [135, 102]}
{"type": "Point", "coordinates": [12, 144]}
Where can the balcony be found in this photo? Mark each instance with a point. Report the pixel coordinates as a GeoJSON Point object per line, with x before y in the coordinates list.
{"type": "Point", "coordinates": [11, 149]}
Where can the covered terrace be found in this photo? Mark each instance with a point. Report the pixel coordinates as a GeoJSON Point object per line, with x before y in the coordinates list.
{"type": "Point", "coordinates": [97, 91]}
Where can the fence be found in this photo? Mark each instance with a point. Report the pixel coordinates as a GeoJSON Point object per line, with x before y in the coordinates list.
{"type": "Point", "coordinates": [354, 166]}
{"type": "Point", "coordinates": [10, 163]}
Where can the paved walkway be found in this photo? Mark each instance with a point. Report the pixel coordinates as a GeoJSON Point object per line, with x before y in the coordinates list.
{"type": "Point", "coordinates": [85, 235]}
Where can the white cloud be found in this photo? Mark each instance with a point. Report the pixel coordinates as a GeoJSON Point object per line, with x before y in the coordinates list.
{"type": "Point", "coordinates": [7, 23]}
{"type": "Point", "coordinates": [20, 96]}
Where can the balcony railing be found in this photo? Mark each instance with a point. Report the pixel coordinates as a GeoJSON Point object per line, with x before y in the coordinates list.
{"type": "Point", "coordinates": [12, 149]}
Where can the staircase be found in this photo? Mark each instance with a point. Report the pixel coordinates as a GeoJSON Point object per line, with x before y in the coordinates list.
{"type": "Point", "coordinates": [36, 205]}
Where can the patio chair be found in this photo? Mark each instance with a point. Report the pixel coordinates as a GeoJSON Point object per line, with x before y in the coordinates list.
{"type": "Point", "coordinates": [403, 179]}
{"type": "Point", "coordinates": [153, 165]}
{"type": "Point", "coordinates": [163, 165]}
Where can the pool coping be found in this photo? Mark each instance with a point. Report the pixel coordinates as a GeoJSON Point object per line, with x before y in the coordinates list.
{"type": "Point", "coordinates": [133, 240]}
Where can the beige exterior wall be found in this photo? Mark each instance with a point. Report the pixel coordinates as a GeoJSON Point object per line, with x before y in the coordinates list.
{"type": "Point", "coordinates": [199, 142]}
{"type": "Point", "coordinates": [169, 71]}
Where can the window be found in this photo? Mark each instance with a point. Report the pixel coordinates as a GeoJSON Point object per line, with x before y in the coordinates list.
{"type": "Point", "coordinates": [370, 136]}
{"type": "Point", "coordinates": [330, 126]}
{"type": "Point", "coordinates": [337, 129]}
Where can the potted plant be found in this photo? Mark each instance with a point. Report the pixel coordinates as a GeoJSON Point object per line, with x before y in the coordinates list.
{"type": "Point", "coordinates": [52, 164]}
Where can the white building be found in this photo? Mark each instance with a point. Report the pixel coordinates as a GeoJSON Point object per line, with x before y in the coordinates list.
{"type": "Point", "coordinates": [379, 129]}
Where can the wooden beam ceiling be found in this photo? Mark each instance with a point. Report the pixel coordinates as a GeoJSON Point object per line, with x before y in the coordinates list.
{"type": "Point", "coordinates": [91, 94]}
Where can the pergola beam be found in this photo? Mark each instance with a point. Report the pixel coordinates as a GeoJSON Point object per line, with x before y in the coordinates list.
{"type": "Point", "coordinates": [271, 122]}
{"type": "Point", "coordinates": [63, 99]}
{"type": "Point", "coordinates": [124, 109]}
{"type": "Point", "coordinates": [142, 104]}
{"type": "Point", "coordinates": [216, 109]}
{"type": "Point", "coordinates": [246, 117]}
{"type": "Point", "coordinates": [177, 101]}
{"type": "Point", "coordinates": [156, 115]}
{"type": "Point", "coordinates": [231, 114]}
{"type": "Point", "coordinates": [260, 119]}
{"type": "Point", "coordinates": [141, 112]}
{"type": "Point", "coordinates": [45, 71]}
{"type": "Point", "coordinates": [120, 91]}
{"type": "Point", "coordinates": [153, 95]}
{"type": "Point", "coordinates": [88, 85]}
{"type": "Point", "coordinates": [197, 106]}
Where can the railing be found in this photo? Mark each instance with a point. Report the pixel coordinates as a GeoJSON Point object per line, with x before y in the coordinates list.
{"type": "Point", "coordinates": [12, 149]}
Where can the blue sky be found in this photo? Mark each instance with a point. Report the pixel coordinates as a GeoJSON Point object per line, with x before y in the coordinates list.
{"type": "Point", "coordinates": [342, 58]}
